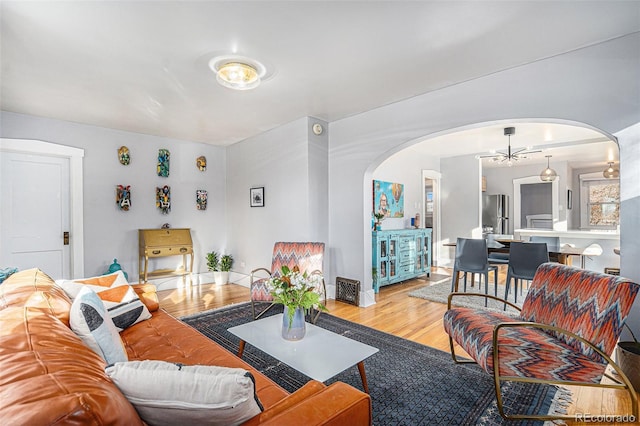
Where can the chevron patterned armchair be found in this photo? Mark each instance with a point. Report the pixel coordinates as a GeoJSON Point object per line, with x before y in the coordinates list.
{"type": "Point", "coordinates": [308, 256]}
{"type": "Point", "coordinates": [564, 334]}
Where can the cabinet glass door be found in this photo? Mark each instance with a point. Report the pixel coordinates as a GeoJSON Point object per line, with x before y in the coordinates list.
{"type": "Point", "coordinates": [426, 253]}
{"type": "Point", "coordinates": [392, 247]}
{"type": "Point", "coordinates": [419, 252]}
{"type": "Point", "coordinates": [383, 248]}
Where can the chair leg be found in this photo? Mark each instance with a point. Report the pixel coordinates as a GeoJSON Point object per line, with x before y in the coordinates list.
{"type": "Point", "coordinates": [495, 282]}
{"type": "Point", "coordinates": [454, 280]}
{"type": "Point", "coordinates": [455, 358]}
{"type": "Point", "coordinates": [507, 284]}
{"type": "Point", "coordinates": [314, 314]}
{"type": "Point", "coordinates": [486, 286]}
{"type": "Point", "coordinates": [253, 309]}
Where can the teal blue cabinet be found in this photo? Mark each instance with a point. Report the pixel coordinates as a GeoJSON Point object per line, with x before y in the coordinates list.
{"type": "Point", "coordinates": [400, 254]}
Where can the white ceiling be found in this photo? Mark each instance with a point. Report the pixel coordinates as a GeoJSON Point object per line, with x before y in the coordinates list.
{"type": "Point", "coordinates": [141, 66]}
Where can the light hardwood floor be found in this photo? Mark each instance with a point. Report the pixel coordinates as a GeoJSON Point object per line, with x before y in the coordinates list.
{"type": "Point", "coordinates": [394, 312]}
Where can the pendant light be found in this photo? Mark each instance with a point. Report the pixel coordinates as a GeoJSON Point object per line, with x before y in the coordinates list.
{"type": "Point", "coordinates": [548, 174]}
{"type": "Point", "coordinates": [611, 172]}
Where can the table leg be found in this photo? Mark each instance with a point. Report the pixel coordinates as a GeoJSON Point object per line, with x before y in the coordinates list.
{"type": "Point", "coordinates": [363, 376]}
{"type": "Point", "coordinates": [241, 348]}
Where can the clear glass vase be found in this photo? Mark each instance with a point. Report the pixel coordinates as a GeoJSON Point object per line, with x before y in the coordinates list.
{"type": "Point", "coordinates": [295, 329]}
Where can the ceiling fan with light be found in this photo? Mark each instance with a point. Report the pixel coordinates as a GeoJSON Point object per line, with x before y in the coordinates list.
{"type": "Point", "coordinates": [510, 156]}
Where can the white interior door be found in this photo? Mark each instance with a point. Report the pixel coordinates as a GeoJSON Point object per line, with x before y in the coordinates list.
{"type": "Point", "coordinates": [35, 213]}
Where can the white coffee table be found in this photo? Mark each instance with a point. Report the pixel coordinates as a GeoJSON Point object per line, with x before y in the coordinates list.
{"type": "Point", "coordinates": [321, 354]}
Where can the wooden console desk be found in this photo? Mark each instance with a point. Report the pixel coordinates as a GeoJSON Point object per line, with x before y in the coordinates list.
{"type": "Point", "coordinates": [161, 243]}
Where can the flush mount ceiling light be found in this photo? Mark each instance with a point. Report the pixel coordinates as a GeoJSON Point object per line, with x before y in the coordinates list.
{"type": "Point", "coordinates": [237, 72]}
{"type": "Point", "coordinates": [510, 156]}
{"type": "Point", "coordinates": [611, 172]}
{"type": "Point", "coordinates": [548, 174]}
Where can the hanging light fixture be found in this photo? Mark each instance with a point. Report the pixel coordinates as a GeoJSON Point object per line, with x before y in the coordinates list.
{"type": "Point", "coordinates": [611, 172]}
{"type": "Point", "coordinates": [237, 72]}
{"type": "Point", "coordinates": [548, 174]}
{"type": "Point", "coordinates": [510, 156]}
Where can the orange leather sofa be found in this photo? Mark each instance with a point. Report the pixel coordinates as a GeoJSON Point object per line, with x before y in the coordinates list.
{"type": "Point", "coordinates": [48, 376]}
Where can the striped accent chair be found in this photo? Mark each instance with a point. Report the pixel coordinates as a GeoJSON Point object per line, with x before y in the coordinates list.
{"type": "Point", "coordinates": [307, 256]}
{"type": "Point", "coordinates": [564, 334]}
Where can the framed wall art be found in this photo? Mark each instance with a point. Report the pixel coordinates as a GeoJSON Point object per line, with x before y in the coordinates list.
{"type": "Point", "coordinates": [388, 198]}
{"type": "Point", "coordinates": [256, 197]}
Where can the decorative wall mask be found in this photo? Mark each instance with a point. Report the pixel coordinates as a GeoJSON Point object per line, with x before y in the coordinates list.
{"type": "Point", "coordinates": [201, 199]}
{"type": "Point", "coordinates": [123, 197]}
{"type": "Point", "coordinates": [163, 162]}
{"type": "Point", "coordinates": [123, 155]}
{"type": "Point", "coordinates": [201, 162]}
{"type": "Point", "coordinates": [163, 199]}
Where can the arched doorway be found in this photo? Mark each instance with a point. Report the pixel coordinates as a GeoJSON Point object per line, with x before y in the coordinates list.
{"type": "Point", "coordinates": [453, 155]}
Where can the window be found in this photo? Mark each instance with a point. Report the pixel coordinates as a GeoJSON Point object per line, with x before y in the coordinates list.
{"type": "Point", "coordinates": [599, 202]}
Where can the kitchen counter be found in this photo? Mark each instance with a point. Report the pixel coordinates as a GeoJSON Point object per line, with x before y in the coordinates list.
{"type": "Point", "coordinates": [599, 239]}
{"type": "Point", "coordinates": [599, 234]}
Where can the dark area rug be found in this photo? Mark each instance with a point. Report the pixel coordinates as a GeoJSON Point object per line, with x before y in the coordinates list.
{"type": "Point", "coordinates": [410, 384]}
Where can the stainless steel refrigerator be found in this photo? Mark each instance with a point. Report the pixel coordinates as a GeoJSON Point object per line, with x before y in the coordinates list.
{"type": "Point", "coordinates": [495, 214]}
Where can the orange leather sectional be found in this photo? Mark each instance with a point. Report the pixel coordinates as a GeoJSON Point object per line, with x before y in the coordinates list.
{"type": "Point", "coordinates": [48, 376]}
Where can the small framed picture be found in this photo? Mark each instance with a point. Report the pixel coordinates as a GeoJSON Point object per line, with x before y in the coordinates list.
{"type": "Point", "coordinates": [256, 197]}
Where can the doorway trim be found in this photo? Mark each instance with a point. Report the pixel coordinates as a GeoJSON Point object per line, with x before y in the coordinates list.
{"type": "Point", "coordinates": [435, 176]}
{"type": "Point", "coordinates": [517, 199]}
{"type": "Point", "coordinates": [75, 156]}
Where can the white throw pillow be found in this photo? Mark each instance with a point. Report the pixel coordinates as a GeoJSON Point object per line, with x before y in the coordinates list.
{"type": "Point", "coordinates": [89, 320]}
{"type": "Point", "coordinates": [123, 304]}
{"type": "Point", "coordinates": [165, 393]}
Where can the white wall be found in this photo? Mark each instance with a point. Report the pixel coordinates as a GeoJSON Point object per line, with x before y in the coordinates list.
{"type": "Point", "coordinates": [580, 86]}
{"type": "Point", "coordinates": [110, 233]}
{"type": "Point", "coordinates": [460, 201]}
{"type": "Point", "coordinates": [292, 166]}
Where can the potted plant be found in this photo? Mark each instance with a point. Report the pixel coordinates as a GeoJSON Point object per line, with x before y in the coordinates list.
{"type": "Point", "coordinates": [226, 262]}
{"type": "Point", "coordinates": [213, 261]}
{"type": "Point", "coordinates": [379, 217]}
{"type": "Point", "coordinates": [213, 264]}
{"type": "Point", "coordinates": [628, 358]}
